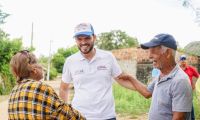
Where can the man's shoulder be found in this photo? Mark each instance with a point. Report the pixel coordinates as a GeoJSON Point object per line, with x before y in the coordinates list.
{"type": "Point", "coordinates": [181, 77]}
{"type": "Point", "coordinates": [73, 57]}
{"type": "Point", "coordinates": [181, 74]}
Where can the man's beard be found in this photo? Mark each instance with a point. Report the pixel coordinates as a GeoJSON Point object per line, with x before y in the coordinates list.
{"type": "Point", "coordinates": [90, 49]}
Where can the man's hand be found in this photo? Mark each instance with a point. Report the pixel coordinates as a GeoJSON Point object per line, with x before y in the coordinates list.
{"type": "Point", "coordinates": [124, 76]}
{"type": "Point", "coordinates": [136, 84]}
{"type": "Point", "coordinates": [125, 81]}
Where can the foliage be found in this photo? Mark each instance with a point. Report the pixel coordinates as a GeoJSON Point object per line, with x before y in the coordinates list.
{"type": "Point", "coordinates": [58, 61]}
{"type": "Point", "coordinates": [189, 4]}
{"type": "Point", "coordinates": [115, 39]}
{"type": "Point", "coordinates": [59, 58]}
{"type": "Point", "coordinates": [44, 62]}
{"type": "Point", "coordinates": [8, 80]}
{"type": "Point", "coordinates": [3, 16]}
{"type": "Point", "coordinates": [186, 3]}
{"type": "Point", "coordinates": [53, 73]}
{"type": "Point", "coordinates": [7, 49]}
{"type": "Point", "coordinates": [193, 48]}
{"type": "Point", "coordinates": [196, 104]}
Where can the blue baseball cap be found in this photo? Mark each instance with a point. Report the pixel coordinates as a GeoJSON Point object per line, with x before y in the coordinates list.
{"type": "Point", "coordinates": [85, 29]}
{"type": "Point", "coordinates": [161, 39]}
{"type": "Point", "coordinates": [183, 57]}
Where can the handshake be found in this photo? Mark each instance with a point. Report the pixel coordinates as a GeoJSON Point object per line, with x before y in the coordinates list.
{"type": "Point", "coordinates": [130, 82]}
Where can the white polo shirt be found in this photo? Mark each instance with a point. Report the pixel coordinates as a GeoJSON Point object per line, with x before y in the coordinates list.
{"type": "Point", "coordinates": [92, 83]}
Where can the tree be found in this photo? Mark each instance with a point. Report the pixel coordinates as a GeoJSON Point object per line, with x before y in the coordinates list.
{"type": "Point", "coordinates": [7, 49]}
{"type": "Point", "coordinates": [59, 58]}
{"type": "Point", "coordinates": [43, 60]}
{"type": "Point", "coordinates": [3, 16]}
{"type": "Point", "coordinates": [193, 48]}
{"type": "Point", "coordinates": [115, 39]}
{"type": "Point", "coordinates": [196, 9]}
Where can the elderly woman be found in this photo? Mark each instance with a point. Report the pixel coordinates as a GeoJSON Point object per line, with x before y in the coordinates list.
{"type": "Point", "coordinates": [33, 99]}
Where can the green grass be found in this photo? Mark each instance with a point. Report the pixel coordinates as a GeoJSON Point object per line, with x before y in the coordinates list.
{"type": "Point", "coordinates": [196, 103]}
{"type": "Point", "coordinates": [129, 102]}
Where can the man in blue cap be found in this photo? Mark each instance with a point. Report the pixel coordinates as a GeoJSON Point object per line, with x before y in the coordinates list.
{"type": "Point", "coordinates": [171, 92]}
{"type": "Point", "coordinates": [91, 70]}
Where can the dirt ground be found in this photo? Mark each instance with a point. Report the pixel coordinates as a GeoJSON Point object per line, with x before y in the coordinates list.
{"type": "Point", "coordinates": [55, 84]}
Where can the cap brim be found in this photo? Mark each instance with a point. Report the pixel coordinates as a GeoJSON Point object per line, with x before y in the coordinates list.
{"type": "Point", "coordinates": [149, 45]}
{"type": "Point", "coordinates": [83, 33]}
{"type": "Point", "coordinates": [182, 58]}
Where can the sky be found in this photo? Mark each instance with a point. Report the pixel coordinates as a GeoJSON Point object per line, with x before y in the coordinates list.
{"type": "Point", "coordinates": [54, 20]}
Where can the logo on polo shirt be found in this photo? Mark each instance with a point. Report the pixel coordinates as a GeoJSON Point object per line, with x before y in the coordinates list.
{"type": "Point", "coordinates": [77, 72]}
{"type": "Point", "coordinates": [102, 67]}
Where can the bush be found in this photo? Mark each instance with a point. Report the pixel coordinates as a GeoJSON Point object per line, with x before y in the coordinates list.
{"type": "Point", "coordinates": [7, 80]}
{"type": "Point", "coordinates": [53, 73]}
{"type": "Point", "coordinates": [7, 49]}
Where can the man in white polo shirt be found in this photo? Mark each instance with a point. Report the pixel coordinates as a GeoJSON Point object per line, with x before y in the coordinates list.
{"type": "Point", "coordinates": [91, 71]}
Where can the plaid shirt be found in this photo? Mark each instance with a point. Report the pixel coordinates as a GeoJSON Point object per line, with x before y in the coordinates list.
{"type": "Point", "coordinates": [36, 101]}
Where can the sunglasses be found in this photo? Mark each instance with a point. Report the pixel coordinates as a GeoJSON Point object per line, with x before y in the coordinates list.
{"type": "Point", "coordinates": [25, 52]}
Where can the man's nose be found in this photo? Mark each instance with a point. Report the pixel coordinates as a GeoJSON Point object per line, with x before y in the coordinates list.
{"type": "Point", "coordinates": [83, 42]}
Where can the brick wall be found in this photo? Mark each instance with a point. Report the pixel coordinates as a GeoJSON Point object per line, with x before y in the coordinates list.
{"type": "Point", "coordinates": [136, 61]}
{"type": "Point", "coordinates": [142, 56]}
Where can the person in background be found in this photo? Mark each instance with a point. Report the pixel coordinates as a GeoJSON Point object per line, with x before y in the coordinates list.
{"type": "Point", "coordinates": [31, 99]}
{"type": "Point", "coordinates": [171, 92]}
{"type": "Point", "coordinates": [192, 74]}
{"type": "Point", "coordinates": [92, 71]}
{"type": "Point", "coordinates": [189, 70]}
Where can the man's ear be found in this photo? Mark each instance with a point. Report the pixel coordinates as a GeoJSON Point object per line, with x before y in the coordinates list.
{"type": "Point", "coordinates": [169, 53]}
{"type": "Point", "coordinates": [95, 37]}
